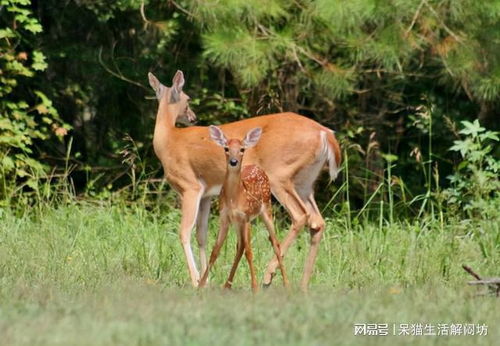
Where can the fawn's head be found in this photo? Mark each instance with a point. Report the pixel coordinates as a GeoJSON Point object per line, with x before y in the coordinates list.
{"type": "Point", "coordinates": [174, 96]}
{"type": "Point", "coordinates": [235, 148]}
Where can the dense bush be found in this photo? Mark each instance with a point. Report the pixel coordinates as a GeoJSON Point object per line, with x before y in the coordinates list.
{"type": "Point", "coordinates": [27, 114]}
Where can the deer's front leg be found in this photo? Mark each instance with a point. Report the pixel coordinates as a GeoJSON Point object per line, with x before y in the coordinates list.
{"type": "Point", "coordinates": [190, 206]}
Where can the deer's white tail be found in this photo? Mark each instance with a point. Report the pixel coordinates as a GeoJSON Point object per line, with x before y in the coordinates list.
{"type": "Point", "coordinates": [332, 150]}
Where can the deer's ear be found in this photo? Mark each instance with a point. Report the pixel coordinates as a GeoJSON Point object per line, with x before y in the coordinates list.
{"type": "Point", "coordinates": [217, 135]}
{"type": "Point", "coordinates": [156, 85]}
{"type": "Point", "coordinates": [177, 85]}
{"type": "Point", "coordinates": [252, 137]}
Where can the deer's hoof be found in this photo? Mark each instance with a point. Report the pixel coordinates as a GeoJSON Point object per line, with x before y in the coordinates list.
{"type": "Point", "coordinates": [266, 285]}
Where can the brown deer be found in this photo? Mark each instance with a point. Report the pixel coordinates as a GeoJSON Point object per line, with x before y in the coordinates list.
{"type": "Point", "coordinates": [292, 151]}
{"type": "Point", "coordinates": [245, 194]}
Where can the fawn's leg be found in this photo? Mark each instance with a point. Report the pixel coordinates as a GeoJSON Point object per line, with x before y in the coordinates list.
{"type": "Point", "coordinates": [267, 216]}
{"type": "Point", "coordinates": [249, 255]}
{"type": "Point", "coordinates": [237, 257]}
{"type": "Point", "coordinates": [221, 236]}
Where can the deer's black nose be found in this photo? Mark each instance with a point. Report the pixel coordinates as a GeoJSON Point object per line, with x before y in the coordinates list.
{"type": "Point", "coordinates": [233, 162]}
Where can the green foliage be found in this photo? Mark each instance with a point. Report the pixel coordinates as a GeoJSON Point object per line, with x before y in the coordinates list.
{"type": "Point", "coordinates": [395, 38]}
{"type": "Point", "coordinates": [214, 108]}
{"type": "Point", "coordinates": [26, 114]}
{"type": "Point", "coordinates": [238, 49]}
{"type": "Point", "coordinates": [475, 185]}
{"type": "Point", "coordinates": [335, 81]}
{"type": "Point", "coordinates": [213, 13]}
{"type": "Point", "coordinates": [105, 10]}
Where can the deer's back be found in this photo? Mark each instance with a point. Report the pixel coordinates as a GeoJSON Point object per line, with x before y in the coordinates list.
{"type": "Point", "coordinates": [289, 142]}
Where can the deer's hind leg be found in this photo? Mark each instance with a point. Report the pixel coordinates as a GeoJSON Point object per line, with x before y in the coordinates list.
{"type": "Point", "coordinates": [316, 225]}
{"type": "Point", "coordinates": [247, 240]}
{"type": "Point", "coordinates": [202, 231]}
{"type": "Point", "coordinates": [290, 199]}
{"type": "Point", "coordinates": [267, 216]}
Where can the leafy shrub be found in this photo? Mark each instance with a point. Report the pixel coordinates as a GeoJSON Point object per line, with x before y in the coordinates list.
{"type": "Point", "coordinates": [26, 114]}
{"type": "Point", "coordinates": [474, 185]}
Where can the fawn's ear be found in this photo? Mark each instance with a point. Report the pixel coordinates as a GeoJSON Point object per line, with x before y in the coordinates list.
{"type": "Point", "coordinates": [177, 85]}
{"type": "Point", "coordinates": [217, 135]}
{"type": "Point", "coordinates": [252, 137]}
{"type": "Point", "coordinates": [156, 85]}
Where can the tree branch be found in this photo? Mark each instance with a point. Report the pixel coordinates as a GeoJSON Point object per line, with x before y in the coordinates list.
{"type": "Point", "coordinates": [417, 13]}
{"type": "Point", "coordinates": [448, 30]}
{"type": "Point", "coordinates": [180, 8]}
{"type": "Point", "coordinates": [118, 74]}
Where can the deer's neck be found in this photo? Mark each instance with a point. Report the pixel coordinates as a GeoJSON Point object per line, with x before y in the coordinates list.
{"type": "Point", "coordinates": [164, 126]}
{"type": "Point", "coordinates": [233, 186]}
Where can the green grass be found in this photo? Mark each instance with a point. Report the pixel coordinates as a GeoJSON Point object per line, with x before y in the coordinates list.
{"type": "Point", "coordinates": [104, 274]}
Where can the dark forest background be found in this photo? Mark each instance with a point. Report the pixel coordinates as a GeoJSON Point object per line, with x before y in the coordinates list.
{"type": "Point", "coordinates": [400, 81]}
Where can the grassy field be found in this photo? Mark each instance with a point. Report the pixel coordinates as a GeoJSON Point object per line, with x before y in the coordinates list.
{"type": "Point", "coordinates": [103, 274]}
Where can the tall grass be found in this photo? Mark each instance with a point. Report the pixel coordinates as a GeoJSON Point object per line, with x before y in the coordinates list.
{"type": "Point", "coordinates": [107, 273]}
{"type": "Point", "coordinates": [84, 243]}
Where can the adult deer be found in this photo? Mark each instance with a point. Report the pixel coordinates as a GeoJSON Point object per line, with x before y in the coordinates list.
{"type": "Point", "coordinates": [246, 193]}
{"type": "Point", "coordinates": [292, 151]}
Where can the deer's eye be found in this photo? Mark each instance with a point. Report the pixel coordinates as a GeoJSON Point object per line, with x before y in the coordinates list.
{"type": "Point", "coordinates": [226, 149]}
{"type": "Point", "coordinates": [242, 150]}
